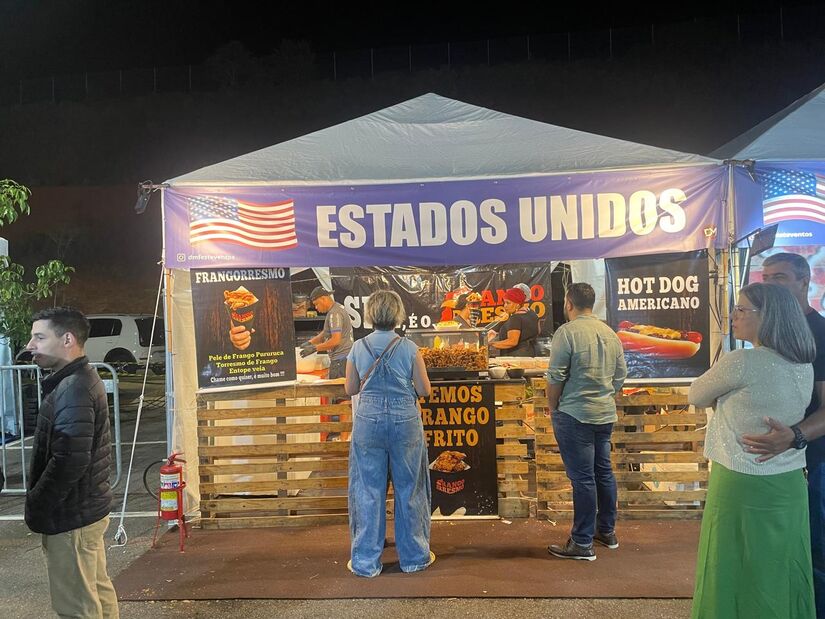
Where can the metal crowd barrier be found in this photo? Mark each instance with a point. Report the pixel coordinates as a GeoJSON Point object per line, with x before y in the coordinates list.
{"type": "Point", "coordinates": [16, 374]}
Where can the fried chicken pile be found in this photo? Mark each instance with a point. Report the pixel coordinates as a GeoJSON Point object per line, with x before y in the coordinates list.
{"type": "Point", "coordinates": [450, 462]}
{"type": "Point", "coordinates": [455, 356]}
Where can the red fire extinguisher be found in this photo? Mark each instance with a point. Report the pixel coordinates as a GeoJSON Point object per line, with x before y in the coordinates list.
{"type": "Point", "coordinates": [170, 497]}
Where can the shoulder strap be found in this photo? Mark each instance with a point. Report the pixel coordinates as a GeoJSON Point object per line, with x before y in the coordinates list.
{"type": "Point", "coordinates": [389, 347]}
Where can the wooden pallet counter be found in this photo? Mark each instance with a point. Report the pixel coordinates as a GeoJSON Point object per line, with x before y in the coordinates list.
{"type": "Point", "coordinates": [657, 447]}
{"type": "Point", "coordinates": [262, 461]}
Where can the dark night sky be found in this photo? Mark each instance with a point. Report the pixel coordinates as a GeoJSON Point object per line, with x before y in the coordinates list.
{"type": "Point", "coordinates": [43, 37]}
{"type": "Point", "coordinates": [82, 155]}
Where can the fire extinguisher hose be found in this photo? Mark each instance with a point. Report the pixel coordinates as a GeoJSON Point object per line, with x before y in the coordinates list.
{"type": "Point", "coordinates": [146, 472]}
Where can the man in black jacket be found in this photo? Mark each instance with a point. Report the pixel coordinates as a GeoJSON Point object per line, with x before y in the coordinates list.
{"type": "Point", "coordinates": [69, 497]}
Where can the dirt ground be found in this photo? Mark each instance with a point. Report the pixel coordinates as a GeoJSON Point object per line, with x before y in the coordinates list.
{"type": "Point", "coordinates": [24, 589]}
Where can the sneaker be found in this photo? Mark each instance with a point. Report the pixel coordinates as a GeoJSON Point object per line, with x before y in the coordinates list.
{"type": "Point", "coordinates": [571, 550]}
{"type": "Point", "coordinates": [606, 539]}
{"type": "Point", "coordinates": [432, 558]}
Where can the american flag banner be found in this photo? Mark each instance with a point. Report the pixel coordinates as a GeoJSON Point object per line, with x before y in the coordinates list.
{"type": "Point", "coordinates": [793, 194]}
{"type": "Point", "coordinates": [263, 226]}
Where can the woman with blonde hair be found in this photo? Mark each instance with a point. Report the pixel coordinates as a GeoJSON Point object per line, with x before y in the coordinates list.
{"type": "Point", "coordinates": [388, 373]}
{"type": "Point", "coordinates": [754, 548]}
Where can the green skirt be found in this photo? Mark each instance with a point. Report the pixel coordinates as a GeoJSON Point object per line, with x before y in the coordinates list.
{"type": "Point", "coordinates": [755, 548]}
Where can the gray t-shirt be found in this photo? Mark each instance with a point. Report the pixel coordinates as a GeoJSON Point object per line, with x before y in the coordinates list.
{"type": "Point", "coordinates": [338, 320]}
{"type": "Point", "coordinates": [587, 357]}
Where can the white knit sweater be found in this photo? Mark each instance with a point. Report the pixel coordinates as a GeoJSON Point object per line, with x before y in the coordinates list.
{"type": "Point", "coordinates": [744, 387]}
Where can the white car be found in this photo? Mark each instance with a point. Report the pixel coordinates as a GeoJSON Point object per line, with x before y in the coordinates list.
{"type": "Point", "coordinates": [123, 341]}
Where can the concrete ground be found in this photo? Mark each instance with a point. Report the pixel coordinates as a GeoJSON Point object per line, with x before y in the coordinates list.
{"type": "Point", "coordinates": [24, 589]}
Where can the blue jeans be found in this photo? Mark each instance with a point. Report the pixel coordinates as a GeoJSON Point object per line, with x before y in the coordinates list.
{"type": "Point", "coordinates": [816, 505]}
{"type": "Point", "coordinates": [585, 451]}
{"type": "Point", "coordinates": [388, 437]}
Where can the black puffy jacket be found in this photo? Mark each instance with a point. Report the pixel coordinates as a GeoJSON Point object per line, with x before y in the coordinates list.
{"type": "Point", "coordinates": [72, 456]}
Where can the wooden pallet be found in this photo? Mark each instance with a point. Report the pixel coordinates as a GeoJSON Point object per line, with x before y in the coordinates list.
{"type": "Point", "coordinates": [254, 484]}
{"type": "Point", "coordinates": [511, 451]}
{"type": "Point", "coordinates": [657, 443]}
{"type": "Point", "coordinates": [274, 477]}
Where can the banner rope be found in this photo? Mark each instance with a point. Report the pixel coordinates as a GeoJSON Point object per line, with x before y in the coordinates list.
{"type": "Point", "coordinates": [121, 538]}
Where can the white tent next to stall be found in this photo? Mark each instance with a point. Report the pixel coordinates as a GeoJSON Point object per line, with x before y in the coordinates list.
{"type": "Point", "coordinates": [434, 181]}
{"type": "Point", "coordinates": [788, 151]}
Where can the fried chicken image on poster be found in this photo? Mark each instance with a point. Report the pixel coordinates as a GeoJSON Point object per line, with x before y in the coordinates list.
{"type": "Point", "coordinates": [659, 307]}
{"type": "Point", "coordinates": [460, 430]}
{"type": "Point", "coordinates": [244, 333]}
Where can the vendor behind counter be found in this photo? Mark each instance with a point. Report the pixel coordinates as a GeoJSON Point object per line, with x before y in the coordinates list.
{"type": "Point", "coordinates": [516, 336]}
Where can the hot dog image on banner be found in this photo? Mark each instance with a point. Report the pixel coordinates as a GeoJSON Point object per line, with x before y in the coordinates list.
{"type": "Point", "coordinates": [460, 429]}
{"type": "Point", "coordinates": [244, 334]}
{"type": "Point", "coordinates": [659, 308]}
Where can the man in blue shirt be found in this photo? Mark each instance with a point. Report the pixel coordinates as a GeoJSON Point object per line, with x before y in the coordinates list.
{"type": "Point", "coordinates": [586, 369]}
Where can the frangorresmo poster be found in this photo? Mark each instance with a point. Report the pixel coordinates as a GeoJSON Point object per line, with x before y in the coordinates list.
{"type": "Point", "coordinates": [244, 334]}
{"type": "Point", "coordinates": [460, 428]}
{"type": "Point", "coordinates": [659, 307]}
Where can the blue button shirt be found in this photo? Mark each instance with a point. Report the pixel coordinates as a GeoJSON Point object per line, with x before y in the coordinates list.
{"type": "Point", "coordinates": [587, 357]}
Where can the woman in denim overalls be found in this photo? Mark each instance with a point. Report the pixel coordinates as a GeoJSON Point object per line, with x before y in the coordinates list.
{"type": "Point", "coordinates": [387, 438]}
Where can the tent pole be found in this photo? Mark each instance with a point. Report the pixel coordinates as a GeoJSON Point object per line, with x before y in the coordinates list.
{"type": "Point", "coordinates": [732, 273]}
{"type": "Point", "coordinates": [167, 326]}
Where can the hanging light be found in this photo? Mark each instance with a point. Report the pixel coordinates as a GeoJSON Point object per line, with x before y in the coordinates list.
{"type": "Point", "coordinates": [144, 194]}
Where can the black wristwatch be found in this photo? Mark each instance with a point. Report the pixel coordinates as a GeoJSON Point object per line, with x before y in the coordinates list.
{"type": "Point", "coordinates": [799, 440]}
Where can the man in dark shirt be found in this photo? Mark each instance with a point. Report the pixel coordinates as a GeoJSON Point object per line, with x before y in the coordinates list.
{"type": "Point", "coordinates": [792, 271]}
{"type": "Point", "coordinates": [517, 336]}
{"type": "Point", "coordinates": [69, 498]}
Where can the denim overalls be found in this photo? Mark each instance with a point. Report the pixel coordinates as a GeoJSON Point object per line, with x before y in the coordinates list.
{"type": "Point", "coordinates": [388, 436]}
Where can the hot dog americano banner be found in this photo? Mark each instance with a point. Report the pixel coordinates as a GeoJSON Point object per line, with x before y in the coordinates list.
{"type": "Point", "coordinates": [528, 219]}
{"type": "Point", "coordinates": [659, 307]}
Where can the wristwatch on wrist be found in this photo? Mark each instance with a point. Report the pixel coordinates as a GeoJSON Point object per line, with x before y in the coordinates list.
{"type": "Point", "coordinates": [799, 440]}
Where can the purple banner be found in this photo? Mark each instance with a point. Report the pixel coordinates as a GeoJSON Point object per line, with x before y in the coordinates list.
{"type": "Point", "coordinates": [748, 203]}
{"type": "Point", "coordinates": [794, 198]}
{"type": "Point", "coordinates": [530, 219]}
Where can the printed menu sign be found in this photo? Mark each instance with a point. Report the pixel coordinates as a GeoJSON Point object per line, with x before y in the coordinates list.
{"type": "Point", "coordinates": [425, 290]}
{"type": "Point", "coordinates": [659, 307]}
{"type": "Point", "coordinates": [460, 429]}
{"type": "Point", "coordinates": [244, 334]}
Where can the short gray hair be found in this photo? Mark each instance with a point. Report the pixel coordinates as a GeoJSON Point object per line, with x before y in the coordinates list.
{"type": "Point", "coordinates": [784, 327]}
{"type": "Point", "coordinates": [800, 266]}
{"type": "Point", "coordinates": [385, 310]}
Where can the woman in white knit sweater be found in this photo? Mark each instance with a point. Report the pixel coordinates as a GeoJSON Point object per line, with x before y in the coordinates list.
{"type": "Point", "coordinates": [754, 549]}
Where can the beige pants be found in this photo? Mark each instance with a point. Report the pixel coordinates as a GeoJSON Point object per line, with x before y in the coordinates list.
{"type": "Point", "coordinates": [78, 581]}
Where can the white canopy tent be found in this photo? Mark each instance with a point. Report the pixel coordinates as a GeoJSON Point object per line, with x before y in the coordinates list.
{"type": "Point", "coordinates": [427, 139]}
{"type": "Point", "coordinates": [432, 138]}
{"type": "Point", "coordinates": [788, 155]}
{"type": "Point", "coordinates": [795, 133]}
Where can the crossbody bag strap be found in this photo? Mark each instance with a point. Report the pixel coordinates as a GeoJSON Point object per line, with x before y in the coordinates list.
{"type": "Point", "coordinates": [375, 363]}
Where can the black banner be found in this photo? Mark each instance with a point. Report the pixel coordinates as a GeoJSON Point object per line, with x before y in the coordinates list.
{"type": "Point", "coordinates": [659, 307]}
{"type": "Point", "coordinates": [424, 290]}
{"type": "Point", "coordinates": [460, 428]}
{"type": "Point", "coordinates": [244, 334]}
